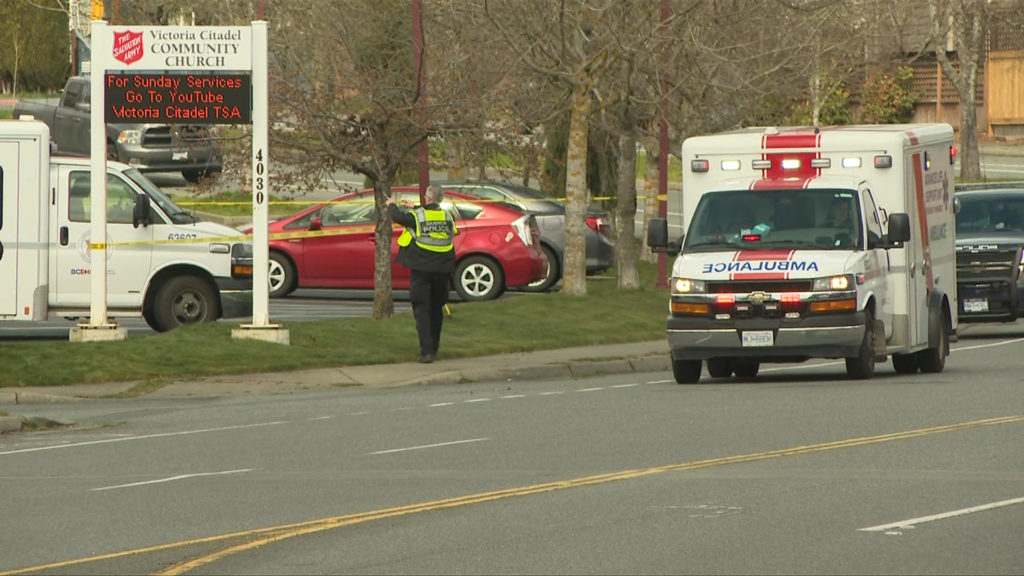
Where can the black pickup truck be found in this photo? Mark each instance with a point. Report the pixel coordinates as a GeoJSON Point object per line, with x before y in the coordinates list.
{"type": "Point", "coordinates": [148, 147]}
{"type": "Point", "coordinates": [990, 253]}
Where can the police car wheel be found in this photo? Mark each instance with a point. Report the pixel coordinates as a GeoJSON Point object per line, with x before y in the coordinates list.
{"type": "Point", "coordinates": [479, 278]}
{"type": "Point", "coordinates": [184, 300]}
{"type": "Point", "coordinates": [686, 371]}
{"type": "Point", "coordinates": [281, 277]}
{"type": "Point", "coordinates": [746, 368]}
{"type": "Point", "coordinates": [719, 367]}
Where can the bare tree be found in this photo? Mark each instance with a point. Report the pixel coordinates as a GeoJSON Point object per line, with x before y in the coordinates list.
{"type": "Point", "coordinates": [345, 97]}
{"type": "Point", "coordinates": [966, 21]}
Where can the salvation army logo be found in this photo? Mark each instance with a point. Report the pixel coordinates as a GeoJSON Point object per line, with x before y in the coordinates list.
{"type": "Point", "coordinates": [128, 46]}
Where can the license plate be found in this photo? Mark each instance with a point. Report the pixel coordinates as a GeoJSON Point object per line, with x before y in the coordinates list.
{"type": "Point", "coordinates": [757, 338]}
{"type": "Point", "coordinates": [183, 155]}
{"type": "Point", "coordinates": [976, 305]}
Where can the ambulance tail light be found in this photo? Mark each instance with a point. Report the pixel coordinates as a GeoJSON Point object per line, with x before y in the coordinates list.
{"type": "Point", "coordinates": [790, 303]}
{"type": "Point", "coordinates": [699, 165]}
{"type": "Point", "coordinates": [883, 161]}
{"type": "Point", "coordinates": [724, 303]}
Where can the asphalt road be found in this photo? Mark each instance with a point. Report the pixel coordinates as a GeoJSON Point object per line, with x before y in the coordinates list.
{"type": "Point", "coordinates": [800, 471]}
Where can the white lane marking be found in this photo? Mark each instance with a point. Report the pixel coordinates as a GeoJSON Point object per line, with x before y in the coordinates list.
{"type": "Point", "coordinates": [477, 400]}
{"type": "Point", "coordinates": [439, 404]}
{"type": "Point", "coordinates": [321, 418]}
{"type": "Point", "coordinates": [661, 381]}
{"type": "Point", "coordinates": [991, 345]}
{"type": "Point", "coordinates": [438, 445]}
{"type": "Point", "coordinates": [590, 389]}
{"type": "Point", "coordinates": [914, 521]}
{"type": "Point", "coordinates": [363, 413]}
{"type": "Point", "coordinates": [552, 393]}
{"type": "Point", "coordinates": [625, 385]}
{"type": "Point", "coordinates": [146, 437]}
{"type": "Point", "coordinates": [172, 478]}
{"type": "Point", "coordinates": [513, 396]}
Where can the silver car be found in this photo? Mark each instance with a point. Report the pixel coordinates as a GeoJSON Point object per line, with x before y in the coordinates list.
{"type": "Point", "coordinates": [550, 214]}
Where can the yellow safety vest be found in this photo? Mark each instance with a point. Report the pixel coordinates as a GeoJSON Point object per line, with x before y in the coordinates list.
{"type": "Point", "coordinates": [434, 231]}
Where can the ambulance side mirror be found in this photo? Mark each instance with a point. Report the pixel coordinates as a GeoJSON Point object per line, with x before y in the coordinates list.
{"type": "Point", "coordinates": [657, 237]}
{"type": "Point", "coordinates": [899, 229]}
{"type": "Point", "coordinates": [142, 212]}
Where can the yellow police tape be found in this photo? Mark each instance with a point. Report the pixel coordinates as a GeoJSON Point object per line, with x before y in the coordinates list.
{"type": "Point", "coordinates": [273, 236]}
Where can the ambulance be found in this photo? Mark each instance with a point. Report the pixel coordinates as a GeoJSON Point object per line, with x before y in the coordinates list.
{"type": "Point", "coordinates": [163, 264]}
{"type": "Point", "coordinates": [813, 242]}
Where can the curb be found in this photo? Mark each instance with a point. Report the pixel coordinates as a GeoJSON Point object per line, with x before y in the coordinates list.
{"type": "Point", "coordinates": [10, 424]}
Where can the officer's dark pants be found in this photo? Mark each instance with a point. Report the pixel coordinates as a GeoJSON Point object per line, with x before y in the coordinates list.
{"type": "Point", "coordinates": [428, 292]}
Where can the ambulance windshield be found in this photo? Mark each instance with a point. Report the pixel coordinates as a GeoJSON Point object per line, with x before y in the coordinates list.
{"type": "Point", "coordinates": [809, 219]}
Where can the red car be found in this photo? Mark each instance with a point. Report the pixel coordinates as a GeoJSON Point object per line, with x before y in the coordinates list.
{"type": "Point", "coordinates": [497, 246]}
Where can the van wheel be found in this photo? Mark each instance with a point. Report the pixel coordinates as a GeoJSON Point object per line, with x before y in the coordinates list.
{"type": "Point", "coordinates": [184, 300]}
{"type": "Point", "coordinates": [550, 275]}
{"type": "Point", "coordinates": [933, 360]}
{"type": "Point", "coordinates": [862, 366]}
{"type": "Point", "coordinates": [904, 363]}
{"type": "Point", "coordinates": [746, 368]}
{"type": "Point", "coordinates": [686, 371]}
{"type": "Point", "coordinates": [478, 278]}
{"type": "Point", "coordinates": [281, 276]}
{"type": "Point", "coordinates": [719, 367]}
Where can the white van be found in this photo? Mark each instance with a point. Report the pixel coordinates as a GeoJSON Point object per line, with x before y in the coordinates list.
{"type": "Point", "coordinates": [769, 272]}
{"type": "Point", "coordinates": [162, 263]}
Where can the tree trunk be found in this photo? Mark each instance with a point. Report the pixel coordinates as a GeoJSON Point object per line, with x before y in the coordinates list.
{"type": "Point", "coordinates": [574, 276]}
{"type": "Point", "coordinates": [650, 197]}
{"type": "Point", "coordinates": [968, 18]}
{"type": "Point", "coordinates": [383, 303]}
{"type": "Point", "coordinates": [625, 213]}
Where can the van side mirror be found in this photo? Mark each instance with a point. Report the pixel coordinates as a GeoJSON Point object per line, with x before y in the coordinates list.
{"type": "Point", "coordinates": [142, 213]}
{"type": "Point", "coordinates": [899, 229]}
{"type": "Point", "coordinates": [317, 223]}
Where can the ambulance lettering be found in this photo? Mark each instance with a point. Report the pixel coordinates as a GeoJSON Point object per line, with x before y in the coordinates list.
{"type": "Point", "coordinates": [761, 266]}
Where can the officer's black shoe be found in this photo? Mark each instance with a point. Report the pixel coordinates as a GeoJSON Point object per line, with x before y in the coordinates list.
{"type": "Point", "coordinates": [425, 359]}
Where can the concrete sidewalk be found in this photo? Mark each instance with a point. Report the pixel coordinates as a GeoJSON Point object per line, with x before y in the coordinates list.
{"type": "Point", "coordinates": [574, 363]}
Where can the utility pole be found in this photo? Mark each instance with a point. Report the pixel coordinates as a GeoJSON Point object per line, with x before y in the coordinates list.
{"type": "Point", "coordinates": [662, 281]}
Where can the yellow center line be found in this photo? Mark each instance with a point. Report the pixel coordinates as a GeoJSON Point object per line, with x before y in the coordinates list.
{"type": "Point", "coordinates": [262, 536]}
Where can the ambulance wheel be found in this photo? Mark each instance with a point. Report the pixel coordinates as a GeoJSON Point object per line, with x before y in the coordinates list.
{"type": "Point", "coordinates": [862, 366]}
{"type": "Point", "coordinates": [184, 300]}
{"type": "Point", "coordinates": [933, 360]}
{"type": "Point", "coordinates": [281, 276]}
{"type": "Point", "coordinates": [686, 371]}
{"type": "Point", "coordinates": [719, 367]}
{"type": "Point", "coordinates": [746, 368]}
{"type": "Point", "coordinates": [905, 363]}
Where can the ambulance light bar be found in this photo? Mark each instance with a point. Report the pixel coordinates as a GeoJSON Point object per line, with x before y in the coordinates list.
{"type": "Point", "coordinates": [761, 164]}
{"type": "Point", "coordinates": [699, 165]}
{"type": "Point", "coordinates": [790, 163]}
{"type": "Point", "coordinates": [730, 164]}
{"type": "Point", "coordinates": [821, 162]}
{"type": "Point", "coordinates": [883, 161]}
{"type": "Point", "coordinates": [851, 162]}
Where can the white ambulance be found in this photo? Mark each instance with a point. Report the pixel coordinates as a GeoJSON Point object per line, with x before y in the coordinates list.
{"type": "Point", "coordinates": [805, 242]}
{"type": "Point", "coordinates": [162, 264]}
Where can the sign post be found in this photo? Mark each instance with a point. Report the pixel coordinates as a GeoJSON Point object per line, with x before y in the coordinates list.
{"type": "Point", "coordinates": [183, 75]}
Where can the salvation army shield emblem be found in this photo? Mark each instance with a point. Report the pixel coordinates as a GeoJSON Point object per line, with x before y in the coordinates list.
{"type": "Point", "coordinates": [128, 46]}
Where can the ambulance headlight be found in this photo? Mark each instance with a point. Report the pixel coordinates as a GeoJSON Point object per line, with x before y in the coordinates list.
{"type": "Point", "coordinates": [833, 283]}
{"type": "Point", "coordinates": [687, 286]}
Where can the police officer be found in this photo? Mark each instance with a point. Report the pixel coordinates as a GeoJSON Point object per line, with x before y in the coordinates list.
{"type": "Point", "coordinates": [426, 249]}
